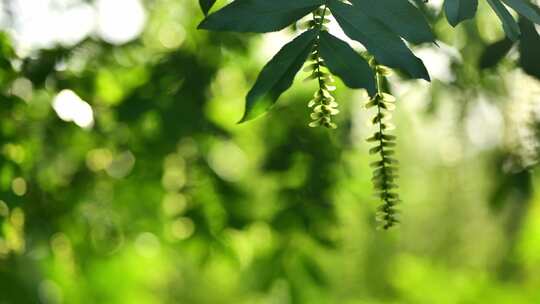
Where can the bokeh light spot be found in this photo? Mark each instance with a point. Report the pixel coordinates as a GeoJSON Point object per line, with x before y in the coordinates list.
{"type": "Point", "coordinates": [61, 245]}
{"type": "Point", "coordinates": [147, 244]}
{"type": "Point", "coordinates": [50, 292]}
{"type": "Point", "coordinates": [99, 159]}
{"type": "Point", "coordinates": [121, 165]}
{"type": "Point", "coordinates": [120, 21]}
{"type": "Point", "coordinates": [4, 209]}
{"type": "Point", "coordinates": [174, 204]}
{"type": "Point", "coordinates": [171, 35]}
{"type": "Point", "coordinates": [70, 107]}
{"type": "Point", "coordinates": [19, 186]}
{"type": "Point", "coordinates": [182, 228]}
{"type": "Point", "coordinates": [228, 161]}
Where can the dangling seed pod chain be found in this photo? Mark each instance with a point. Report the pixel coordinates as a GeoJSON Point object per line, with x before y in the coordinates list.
{"type": "Point", "coordinates": [385, 169]}
{"type": "Point", "coordinates": [323, 104]}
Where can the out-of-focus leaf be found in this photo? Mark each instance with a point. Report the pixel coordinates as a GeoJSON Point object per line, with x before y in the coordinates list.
{"type": "Point", "coordinates": [314, 271]}
{"type": "Point", "coordinates": [460, 10]}
{"type": "Point", "coordinates": [39, 68]}
{"type": "Point", "coordinates": [387, 47]}
{"type": "Point", "coordinates": [400, 16]}
{"type": "Point", "coordinates": [529, 48]}
{"type": "Point", "coordinates": [206, 5]}
{"type": "Point", "coordinates": [259, 16]}
{"type": "Point", "coordinates": [511, 28]}
{"type": "Point", "coordinates": [7, 53]}
{"type": "Point", "coordinates": [343, 61]}
{"type": "Point", "coordinates": [278, 75]}
{"type": "Point", "coordinates": [526, 9]}
{"type": "Point", "coordinates": [511, 188]}
{"type": "Point", "coordinates": [495, 52]}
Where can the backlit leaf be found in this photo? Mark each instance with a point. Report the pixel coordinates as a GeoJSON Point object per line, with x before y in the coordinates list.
{"type": "Point", "coordinates": [459, 10]}
{"type": "Point", "coordinates": [278, 75]}
{"type": "Point", "coordinates": [511, 27]}
{"type": "Point", "coordinates": [526, 9]}
{"type": "Point", "coordinates": [344, 62]}
{"type": "Point", "coordinates": [387, 47]}
{"type": "Point", "coordinates": [400, 16]}
{"type": "Point", "coordinates": [206, 5]}
{"type": "Point", "coordinates": [259, 16]}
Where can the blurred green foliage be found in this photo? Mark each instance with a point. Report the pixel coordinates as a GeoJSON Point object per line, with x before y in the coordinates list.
{"type": "Point", "coordinates": [165, 199]}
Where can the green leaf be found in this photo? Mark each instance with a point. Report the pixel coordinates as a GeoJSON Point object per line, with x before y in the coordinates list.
{"type": "Point", "coordinates": [389, 137]}
{"type": "Point", "coordinates": [377, 164]}
{"type": "Point", "coordinates": [344, 62]}
{"type": "Point", "coordinates": [400, 16]}
{"type": "Point", "coordinates": [259, 16]}
{"type": "Point", "coordinates": [526, 9]}
{"type": "Point", "coordinates": [388, 152]}
{"type": "Point", "coordinates": [375, 137]}
{"type": "Point", "coordinates": [379, 40]}
{"type": "Point", "coordinates": [278, 75]}
{"type": "Point", "coordinates": [511, 28]}
{"type": "Point", "coordinates": [459, 10]}
{"type": "Point", "coordinates": [375, 150]}
{"type": "Point", "coordinates": [529, 48]}
{"type": "Point", "coordinates": [495, 52]}
{"type": "Point", "coordinates": [206, 5]}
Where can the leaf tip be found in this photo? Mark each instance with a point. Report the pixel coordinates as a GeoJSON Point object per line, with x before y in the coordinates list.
{"type": "Point", "coordinates": [243, 120]}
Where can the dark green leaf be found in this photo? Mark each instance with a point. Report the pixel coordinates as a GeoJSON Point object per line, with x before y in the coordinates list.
{"type": "Point", "coordinates": [525, 9]}
{"type": "Point", "coordinates": [511, 28]}
{"type": "Point", "coordinates": [206, 5]}
{"type": "Point", "coordinates": [259, 16]}
{"type": "Point", "coordinates": [379, 174]}
{"type": "Point", "coordinates": [400, 16]}
{"type": "Point", "coordinates": [379, 40]}
{"type": "Point", "coordinates": [388, 209]}
{"type": "Point", "coordinates": [375, 150]}
{"type": "Point", "coordinates": [389, 137]}
{"type": "Point", "coordinates": [278, 75]}
{"type": "Point", "coordinates": [314, 271]}
{"type": "Point", "coordinates": [378, 118]}
{"type": "Point", "coordinates": [344, 62]}
{"type": "Point", "coordinates": [377, 164]}
{"type": "Point", "coordinates": [459, 10]}
{"type": "Point", "coordinates": [375, 137]}
{"type": "Point", "coordinates": [372, 104]}
{"type": "Point", "coordinates": [529, 48]}
{"type": "Point", "coordinates": [390, 160]}
{"type": "Point", "coordinates": [388, 152]}
{"type": "Point", "coordinates": [495, 52]}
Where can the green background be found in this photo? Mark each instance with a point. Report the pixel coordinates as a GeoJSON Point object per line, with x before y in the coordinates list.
{"type": "Point", "coordinates": [166, 199]}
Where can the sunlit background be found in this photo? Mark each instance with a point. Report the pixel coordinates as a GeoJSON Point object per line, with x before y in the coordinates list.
{"type": "Point", "coordinates": [125, 178]}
